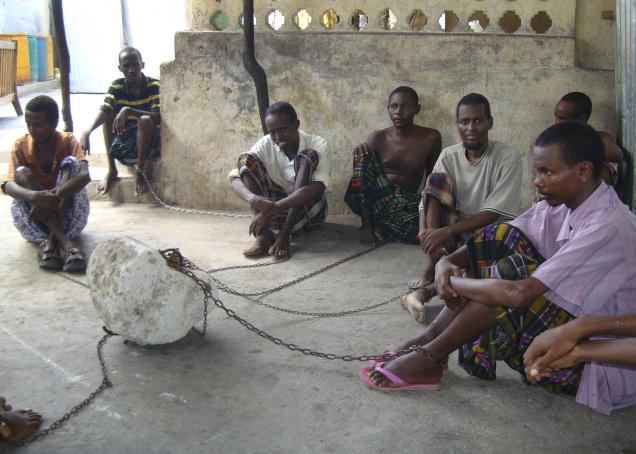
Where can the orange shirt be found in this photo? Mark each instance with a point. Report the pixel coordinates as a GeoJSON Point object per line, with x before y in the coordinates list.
{"type": "Point", "coordinates": [23, 154]}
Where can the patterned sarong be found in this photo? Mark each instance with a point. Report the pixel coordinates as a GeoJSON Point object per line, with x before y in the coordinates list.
{"type": "Point", "coordinates": [75, 218]}
{"type": "Point", "coordinates": [502, 251]}
{"type": "Point", "coordinates": [311, 215]}
{"type": "Point", "coordinates": [392, 208]}
{"type": "Point", "coordinates": [124, 146]}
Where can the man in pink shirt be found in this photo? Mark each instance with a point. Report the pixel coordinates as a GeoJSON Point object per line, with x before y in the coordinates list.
{"type": "Point", "coordinates": [572, 254]}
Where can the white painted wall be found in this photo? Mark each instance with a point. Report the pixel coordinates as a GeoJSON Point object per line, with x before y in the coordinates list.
{"type": "Point", "coordinates": [24, 16]}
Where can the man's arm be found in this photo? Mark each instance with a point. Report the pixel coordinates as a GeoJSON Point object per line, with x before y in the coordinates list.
{"type": "Point", "coordinates": [565, 346]}
{"type": "Point", "coordinates": [434, 237]}
{"type": "Point", "coordinates": [76, 183]}
{"type": "Point", "coordinates": [499, 292]}
{"type": "Point", "coordinates": [101, 117]}
{"type": "Point", "coordinates": [301, 196]}
{"type": "Point", "coordinates": [435, 150]}
{"type": "Point", "coordinates": [613, 152]}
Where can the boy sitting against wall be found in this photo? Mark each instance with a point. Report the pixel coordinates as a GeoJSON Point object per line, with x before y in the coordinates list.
{"type": "Point", "coordinates": [47, 176]}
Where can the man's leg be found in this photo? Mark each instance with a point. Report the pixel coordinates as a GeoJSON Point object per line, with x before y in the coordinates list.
{"type": "Point", "coordinates": [264, 240]}
{"type": "Point", "coordinates": [106, 184]}
{"type": "Point", "coordinates": [145, 132]}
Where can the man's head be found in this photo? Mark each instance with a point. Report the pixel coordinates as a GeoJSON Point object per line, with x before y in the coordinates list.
{"type": "Point", "coordinates": [131, 64]}
{"type": "Point", "coordinates": [403, 106]}
{"type": "Point", "coordinates": [41, 117]}
{"type": "Point", "coordinates": [568, 158]}
{"type": "Point", "coordinates": [282, 125]}
{"type": "Point", "coordinates": [474, 120]}
{"type": "Point", "coordinates": [574, 106]}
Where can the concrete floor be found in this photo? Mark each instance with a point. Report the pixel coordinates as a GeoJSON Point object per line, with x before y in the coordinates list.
{"type": "Point", "coordinates": [233, 391]}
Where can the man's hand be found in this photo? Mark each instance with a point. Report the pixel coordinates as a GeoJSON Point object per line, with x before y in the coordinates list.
{"type": "Point", "coordinates": [433, 239]}
{"type": "Point", "coordinates": [548, 350]}
{"type": "Point", "coordinates": [119, 122]}
{"type": "Point", "coordinates": [85, 142]}
{"type": "Point", "coordinates": [48, 200]}
{"type": "Point", "coordinates": [264, 205]}
{"type": "Point", "coordinates": [444, 269]}
{"type": "Point", "coordinates": [260, 222]}
{"type": "Point", "coordinates": [361, 150]}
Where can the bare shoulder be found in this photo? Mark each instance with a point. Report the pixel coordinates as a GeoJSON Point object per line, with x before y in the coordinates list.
{"type": "Point", "coordinates": [377, 137]}
{"type": "Point", "coordinates": [613, 152]}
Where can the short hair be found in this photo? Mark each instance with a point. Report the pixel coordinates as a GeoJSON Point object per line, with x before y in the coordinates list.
{"type": "Point", "coordinates": [577, 141]}
{"type": "Point", "coordinates": [582, 103]}
{"type": "Point", "coordinates": [129, 50]}
{"type": "Point", "coordinates": [282, 107]}
{"type": "Point", "coordinates": [474, 99]}
{"type": "Point", "coordinates": [44, 104]}
{"type": "Point", "coordinates": [408, 91]}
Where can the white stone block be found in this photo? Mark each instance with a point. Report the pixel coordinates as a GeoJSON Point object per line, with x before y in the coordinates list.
{"type": "Point", "coordinates": [139, 296]}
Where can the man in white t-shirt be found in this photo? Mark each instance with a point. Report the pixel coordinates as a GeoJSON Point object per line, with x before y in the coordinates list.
{"type": "Point", "coordinates": [284, 178]}
{"type": "Point", "coordinates": [474, 183]}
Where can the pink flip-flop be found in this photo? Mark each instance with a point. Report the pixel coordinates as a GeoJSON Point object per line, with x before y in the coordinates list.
{"type": "Point", "coordinates": [399, 384]}
{"type": "Point", "coordinates": [373, 362]}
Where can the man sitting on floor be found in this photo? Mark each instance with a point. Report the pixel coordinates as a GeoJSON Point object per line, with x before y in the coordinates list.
{"type": "Point", "coordinates": [536, 273]}
{"type": "Point", "coordinates": [131, 117]}
{"type": "Point", "coordinates": [474, 183]}
{"type": "Point", "coordinates": [47, 176]}
{"type": "Point", "coordinates": [389, 170]}
{"type": "Point", "coordinates": [284, 178]}
{"type": "Point", "coordinates": [577, 106]}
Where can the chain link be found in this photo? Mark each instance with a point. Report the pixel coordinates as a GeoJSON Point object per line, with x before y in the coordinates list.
{"type": "Point", "coordinates": [106, 383]}
{"type": "Point", "coordinates": [188, 210]}
{"type": "Point", "coordinates": [177, 261]}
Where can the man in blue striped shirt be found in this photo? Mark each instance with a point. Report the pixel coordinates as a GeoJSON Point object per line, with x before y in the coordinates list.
{"type": "Point", "coordinates": [131, 116]}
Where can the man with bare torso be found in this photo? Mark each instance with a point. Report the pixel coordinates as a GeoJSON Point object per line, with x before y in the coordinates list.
{"type": "Point", "coordinates": [389, 171]}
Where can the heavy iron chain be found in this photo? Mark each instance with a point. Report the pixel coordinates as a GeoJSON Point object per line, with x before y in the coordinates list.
{"type": "Point", "coordinates": [177, 261]}
{"type": "Point", "coordinates": [106, 383]}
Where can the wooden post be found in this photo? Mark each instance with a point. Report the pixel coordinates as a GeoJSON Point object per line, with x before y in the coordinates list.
{"type": "Point", "coordinates": [251, 64]}
{"type": "Point", "coordinates": [65, 63]}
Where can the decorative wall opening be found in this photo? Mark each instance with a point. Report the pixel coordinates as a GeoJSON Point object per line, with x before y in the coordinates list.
{"type": "Point", "coordinates": [510, 22]}
{"type": "Point", "coordinates": [275, 19]}
{"type": "Point", "coordinates": [387, 19]}
{"type": "Point", "coordinates": [417, 20]}
{"type": "Point", "coordinates": [448, 21]}
{"type": "Point", "coordinates": [541, 22]}
{"type": "Point", "coordinates": [478, 21]}
{"type": "Point", "coordinates": [302, 19]}
{"type": "Point", "coordinates": [359, 20]}
{"type": "Point", "coordinates": [330, 19]}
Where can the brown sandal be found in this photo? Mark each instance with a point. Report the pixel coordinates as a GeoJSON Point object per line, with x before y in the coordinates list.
{"type": "Point", "coordinates": [74, 261]}
{"type": "Point", "coordinates": [49, 257]}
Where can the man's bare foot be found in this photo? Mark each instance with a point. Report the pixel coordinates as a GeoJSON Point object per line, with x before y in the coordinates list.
{"type": "Point", "coordinates": [280, 248]}
{"type": "Point", "coordinates": [261, 245]}
{"type": "Point", "coordinates": [4, 406]}
{"type": "Point", "coordinates": [140, 184]}
{"type": "Point", "coordinates": [21, 423]}
{"type": "Point", "coordinates": [413, 368]}
{"type": "Point", "coordinates": [104, 186]}
{"type": "Point", "coordinates": [414, 302]}
{"type": "Point", "coordinates": [370, 236]}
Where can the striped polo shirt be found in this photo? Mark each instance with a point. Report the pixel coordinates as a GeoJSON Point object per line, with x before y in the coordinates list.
{"type": "Point", "coordinates": [119, 96]}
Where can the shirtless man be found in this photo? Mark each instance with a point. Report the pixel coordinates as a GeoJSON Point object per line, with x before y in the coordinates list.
{"type": "Point", "coordinates": [474, 183]}
{"type": "Point", "coordinates": [577, 106]}
{"type": "Point", "coordinates": [389, 171]}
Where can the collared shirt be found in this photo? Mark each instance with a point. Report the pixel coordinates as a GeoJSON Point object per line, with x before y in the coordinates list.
{"type": "Point", "coordinates": [590, 268]}
{"type": "Point", "coordinates": [491, 184]}
{"type": "Point", "coordinates": [24, 154]}
{"type": "Point", "coordinates": [119, 95]}
{"type": "Point", "coordinates": [281, 169]}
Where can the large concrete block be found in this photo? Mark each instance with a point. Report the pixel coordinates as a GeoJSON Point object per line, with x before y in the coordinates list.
{"type": "Point", "coordinates": [139, 296]}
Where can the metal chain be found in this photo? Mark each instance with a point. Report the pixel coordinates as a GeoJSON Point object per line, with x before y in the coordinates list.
{"type": "Point", "coordinates": [175, 255]}
{"type": "Point", "coordinates": [177, 261]}
{"type": "Point", "coordinates": [187, 210]}
{"type": "Point", "coordinates": [106, 383]}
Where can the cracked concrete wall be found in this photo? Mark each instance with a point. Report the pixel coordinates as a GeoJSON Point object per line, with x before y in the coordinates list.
{"type": "Point", "coordinates": [339, 83]}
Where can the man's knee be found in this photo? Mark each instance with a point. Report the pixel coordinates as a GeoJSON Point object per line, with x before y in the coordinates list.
{"type": "Point", "coordinates": [23, 176]}
{"type": "Point", "coordinates": [146, 125]}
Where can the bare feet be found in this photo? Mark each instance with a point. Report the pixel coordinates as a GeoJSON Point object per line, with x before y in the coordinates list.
{"type": "Point", "coordinates": [104, 186]}
{"type": "Point", "coordinates": [141, 186]}
{"type": "Point", "coordinates": [414, 302]}
{"type": "Point", "coordinates": [261, 245]}
{"type": "Point", "coordinates": [413, 368]}
{"type": "Point", "coordinates": [280, 248]}
{"type": "Point", "coordinates": [370, 236]}
{"type": "Point", "coordinates": [20, 423]}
